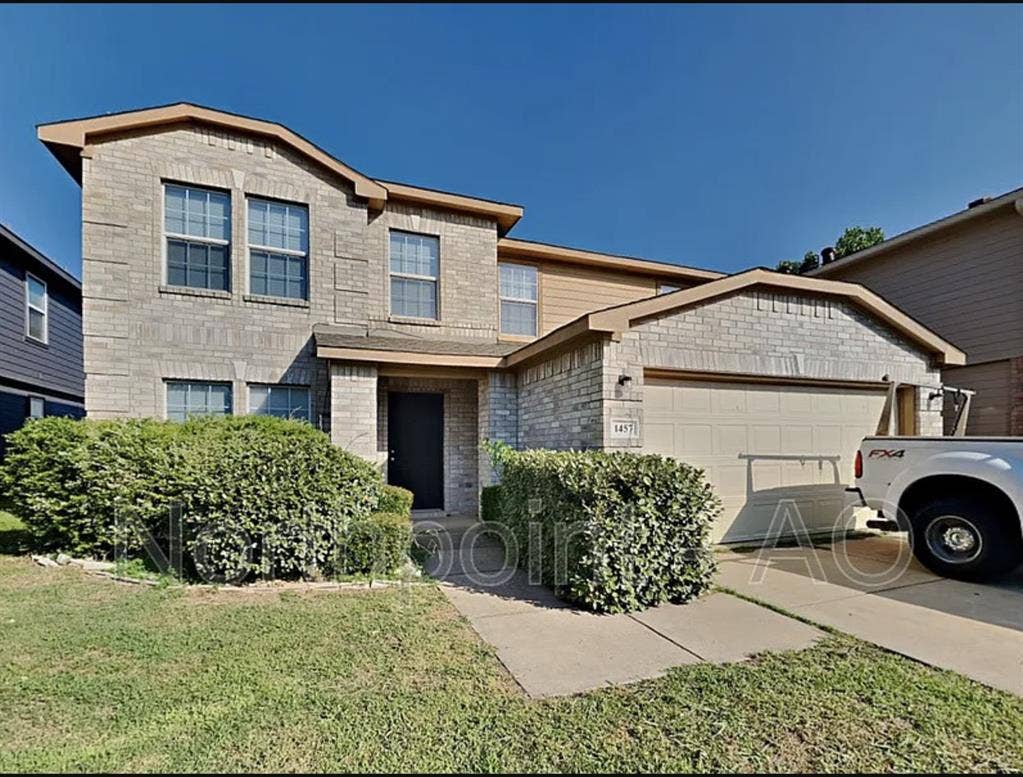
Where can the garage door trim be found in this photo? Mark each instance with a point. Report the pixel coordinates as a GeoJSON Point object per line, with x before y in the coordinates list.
{"type": "Point", "coordinates": [656, 374]}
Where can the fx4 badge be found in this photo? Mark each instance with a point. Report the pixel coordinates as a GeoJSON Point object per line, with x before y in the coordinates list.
{"type": "Point", "coordinates": [886, 453]}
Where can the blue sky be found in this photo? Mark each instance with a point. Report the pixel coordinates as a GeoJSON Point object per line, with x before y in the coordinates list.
{"type": "Point", "coordinates": [721, 137]}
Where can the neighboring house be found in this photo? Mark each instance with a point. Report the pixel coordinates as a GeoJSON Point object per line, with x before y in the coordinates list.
{"type": "Point", "coordinates": [40, 337]}
{"type": "Point", "coordinates": [231, 266]}
{"type": "Point", "coordinates": [962, 276]}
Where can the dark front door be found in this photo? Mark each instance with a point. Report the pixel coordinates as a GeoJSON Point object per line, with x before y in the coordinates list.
{"type": "Point", "coordinates": [415, 445]}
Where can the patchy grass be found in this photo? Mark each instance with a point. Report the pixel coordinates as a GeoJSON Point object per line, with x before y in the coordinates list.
{"type": "Point", "coordinates": [99, 676]}
{"type": "Point", "coordinates": [14, 536]}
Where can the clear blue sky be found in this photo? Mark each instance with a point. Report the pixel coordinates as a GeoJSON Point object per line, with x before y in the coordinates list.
{"type": "Point", "coordinates": [718, 137]}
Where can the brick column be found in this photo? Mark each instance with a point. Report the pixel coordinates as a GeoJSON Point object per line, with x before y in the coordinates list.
{"type": "Point", "coordinates": [1016, 396]}
{"type": "Point", "coordinates": [353, 409]}
{"type": "Point", "coordinates": [498, 417]}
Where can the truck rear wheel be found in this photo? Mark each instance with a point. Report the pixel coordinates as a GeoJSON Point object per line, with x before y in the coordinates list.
{"type": "Point", "coordinates": [966, 538]}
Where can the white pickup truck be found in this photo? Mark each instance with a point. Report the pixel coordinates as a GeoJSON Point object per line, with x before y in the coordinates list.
{"type": "Point", "coordinates": [960, 499]}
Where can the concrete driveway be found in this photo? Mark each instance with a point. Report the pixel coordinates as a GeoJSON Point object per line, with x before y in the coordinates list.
{"type": "Point", "coordinates": [873, 589]}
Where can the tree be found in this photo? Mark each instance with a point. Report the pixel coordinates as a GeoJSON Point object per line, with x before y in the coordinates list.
{"type": "Point", "coordinates": [811, 261]}
{"type": "Point", "coordinates": [857, 239]}
{"type": "Point", "coordinates": [788, 267]}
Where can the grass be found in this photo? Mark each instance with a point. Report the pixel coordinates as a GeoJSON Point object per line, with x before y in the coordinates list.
{"type": "Point", "coordinates": [100, 676]}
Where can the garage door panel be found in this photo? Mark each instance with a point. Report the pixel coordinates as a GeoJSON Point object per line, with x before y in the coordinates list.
{"type": "Point", "coordinates": [740, 435]}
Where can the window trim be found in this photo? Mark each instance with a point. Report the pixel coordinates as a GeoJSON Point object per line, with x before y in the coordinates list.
{"type": "Point", "coordinates": [307, 254]}
{"type": "Point", "coordinates": [271, 386]}
{"type": "Point", "coordinates": [45, 340]}
{"type": "Point", "coordinates": [167, 235]}
{"type": "Point", "coordinates": [167, 382]}
{"type": "Point", "coordinates": [32, 398]}
{"type": "Point", "coordinates": [534, 302]}
{"type": "Point", "coordinates": [413, 277]}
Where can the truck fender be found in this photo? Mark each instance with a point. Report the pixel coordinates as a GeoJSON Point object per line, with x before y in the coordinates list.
{"type": "Point", "coordinates": [1003, 472]}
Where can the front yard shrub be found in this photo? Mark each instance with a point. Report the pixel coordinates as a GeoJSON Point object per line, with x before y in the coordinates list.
{"type": "Point", "coordinates": [378, 545]}
{"type": "Point", "coordinates": [490, 503]}
{"type": "Point", "coordinates": [395, 499]}
{"type": "Point", "coordinates": [612, 532]}
{"type": "Point", "coordinates": [254, 495]}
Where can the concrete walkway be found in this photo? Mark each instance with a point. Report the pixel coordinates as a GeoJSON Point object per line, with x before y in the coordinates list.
{"type": "Point", "coordinates": [551, 649]}
{"type": "Point", "coordinates": [873, 589]}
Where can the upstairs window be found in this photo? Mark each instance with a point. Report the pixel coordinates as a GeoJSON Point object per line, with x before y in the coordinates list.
{"type": "Point", "coordinates": [37, 309]}
{"type": "Point", "coordinates": [667, 288]}
{"type": "Point", "coordinates": [197, 225]}
{"type": "Point", "coordinates": [191, 398]}
{"type": "Point", "coordinates": [415, 262]}
{"type": "Point", "coordinates": [278, 249]}
{"type": "Point", "coordinates": [518, 299]}
{"type": "Point", "coordinates": [281, 401]}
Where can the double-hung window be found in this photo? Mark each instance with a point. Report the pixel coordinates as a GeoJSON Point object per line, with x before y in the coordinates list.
{"type": "Point", "coordinates": [197, 225]}
{"type": "Point", "coordinates": [191, 398]}
{"type": "Point", "coordinates": [667, 288]}
{"type": "Point", "coordinates": [415, 263]}
{"type": "Point", "coordinates": [279, 400]}
{"type": "Point", "coordinates": [278, 249]}
{"type": "Point", "coordinates": [37, 309]}
{"type": "Point", "coordinates": [518, 299]}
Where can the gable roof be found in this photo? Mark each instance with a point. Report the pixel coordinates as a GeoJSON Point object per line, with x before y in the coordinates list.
{"type": "Point", "coordinates": [67, 139]}
{"type": "Point", "coordinates": [39, 258]}
{"type": "Point", "coordinates": [510, 248]}
{"type": "Point", "coordinates": [1014, 197]}
{"type": "Point", "coordinates": [620, 318]}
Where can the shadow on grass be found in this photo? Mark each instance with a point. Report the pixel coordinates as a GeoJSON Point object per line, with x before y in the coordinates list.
{"type": "Point", "coordinates": [14, 537]}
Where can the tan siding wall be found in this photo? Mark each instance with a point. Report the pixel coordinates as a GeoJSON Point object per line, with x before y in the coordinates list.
{"type": "Point", "coordinates": [966, 283]}
{"type": "Point", "coordinates": [567, 292]}
{"type": "Point", "coordinates": [989, 410]}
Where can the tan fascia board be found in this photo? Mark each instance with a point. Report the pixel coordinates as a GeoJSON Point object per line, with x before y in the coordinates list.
{"type": "Point", "coordinates": [1015, 197]}
{"type": "Point", "coordinates": [505, 214]}
{"type": "Point", "coordinates": [409, 358]}
{"type": "Point", "coordinates": [78, 134]}
{"type": "Point", "coordinates": [623, 317]}
{"type": "Point", "coordinates": [573, 330]}
{"type": "Point", "coordinates": [511, 249]}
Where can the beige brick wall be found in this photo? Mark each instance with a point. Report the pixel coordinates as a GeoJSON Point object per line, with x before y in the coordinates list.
{"type": "Point", "coordinates": [139, 332]}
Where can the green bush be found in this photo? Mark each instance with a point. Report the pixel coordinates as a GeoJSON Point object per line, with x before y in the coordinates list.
{"type": "Point", "coordinates": [256, 494]}
{"type": "Point", "coordinates": [490, 503]}
{"type": "Point", "coordinates": [395, 499]}
{"type": "Point", "coordinates": [613, 532]}
{"type": "Point", "coordinates": [377, 545]}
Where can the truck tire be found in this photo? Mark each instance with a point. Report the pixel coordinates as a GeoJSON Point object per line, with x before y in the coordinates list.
{"type": "Point", "coordinates": [968, 538]}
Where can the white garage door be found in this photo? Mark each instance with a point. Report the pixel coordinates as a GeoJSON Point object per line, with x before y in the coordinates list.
{"type": "Point", "coordinates": [778, 455]}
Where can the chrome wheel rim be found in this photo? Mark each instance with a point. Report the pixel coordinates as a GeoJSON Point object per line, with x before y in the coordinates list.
{"type": "Point", "coordinates": [954, 539]}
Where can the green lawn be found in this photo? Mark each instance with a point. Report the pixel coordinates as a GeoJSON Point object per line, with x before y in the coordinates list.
{"type": "Point", "coordinates": [100, 676]}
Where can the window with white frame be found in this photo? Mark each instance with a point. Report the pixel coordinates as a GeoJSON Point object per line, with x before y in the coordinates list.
{"type": "Point", "coordinates": [280, 400]}
{"type": "Point", "coordinates": [197, 226]}
{"type": "Point", "coordinates": [518, 299]}
{"type": "Point", "coordinates": [278, 249]}
{"type": "Point", "coordinates": [415, 264]}
{"type": "Point", "coordinates": [667, 288]}
{"type": "Point", "coordinates": [37, 309]}
{"type": "Point", "coordinates": [36, 407]}
{"type": "Point", "coordinates": [186, 398]}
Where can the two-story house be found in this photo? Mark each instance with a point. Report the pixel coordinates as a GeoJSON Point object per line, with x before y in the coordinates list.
{"type": "Point", "coordinates": [40, 337]}
{"type": "Point", "coordinates": [232, 266]}
{"type": "Point", "coordinates": [962, 276]}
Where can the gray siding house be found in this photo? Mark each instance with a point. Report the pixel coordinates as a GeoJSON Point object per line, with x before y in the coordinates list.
{"type": "Point", "coordinates": [40, 337]}
{"type": "Point", "coordinates": [232, 266]}
{"type": "Point", "coordinates": [962, 276]}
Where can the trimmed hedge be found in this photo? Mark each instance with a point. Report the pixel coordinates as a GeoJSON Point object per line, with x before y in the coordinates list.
{"type": "Point", "coordinates": [490, 503]}
{"type": "Point", "coordinates": [378, 545]}
{"type": "Point", "coordinates": [612, 532]}
{"type": "Point", "coordinates": [395, 499]}
{"type": "Point", "coordinates": [258, 495]}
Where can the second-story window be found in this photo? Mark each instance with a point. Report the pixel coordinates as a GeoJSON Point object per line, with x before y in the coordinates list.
{"type": "Point", "coordinates": [278, 249]}
{"type": "Point", "coordinates": [415, 262]}
{"type": "Point", "coordinates": [37, 309]}
{"type": "Point", "coordinates": [197, 224]}
{"type": "Point", "coordinates": [518, 299]}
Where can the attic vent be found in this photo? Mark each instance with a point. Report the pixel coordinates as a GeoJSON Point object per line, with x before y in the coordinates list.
{"type": "Point", "coordinates": [978, 201]}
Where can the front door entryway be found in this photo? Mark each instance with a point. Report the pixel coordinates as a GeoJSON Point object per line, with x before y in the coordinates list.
{"type": "Point", "coordinates": [415, 446]}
